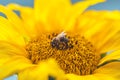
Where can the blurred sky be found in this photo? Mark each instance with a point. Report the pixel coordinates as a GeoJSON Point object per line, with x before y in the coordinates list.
{"type": "Point", "coordinates": [108, 5]}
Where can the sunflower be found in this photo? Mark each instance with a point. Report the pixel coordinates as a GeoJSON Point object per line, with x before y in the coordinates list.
{"type": "Point", "coordinates": [58, 40]}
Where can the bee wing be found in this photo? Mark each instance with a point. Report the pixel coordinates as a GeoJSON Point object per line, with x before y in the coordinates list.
{"type": "Point", "coordinates": [62, 34]}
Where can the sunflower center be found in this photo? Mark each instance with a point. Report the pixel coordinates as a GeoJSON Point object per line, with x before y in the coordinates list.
{"type": "Point", "coordinates": [74, 53]}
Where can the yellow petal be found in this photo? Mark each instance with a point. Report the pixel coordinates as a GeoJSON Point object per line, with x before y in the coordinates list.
{"type": "Point", "coordinates": [112, 56]}
{"type": "Point", "coordinates": [13, 18]}
{"type": "Point", "coordinates": [95, 27]}
{"type": "Point", "coordinates": [60, 13]}
{"type": "Point", "coordinates": [115, 14]}
{"type": "Point", "coordinates": [25, 12]}
{"type": "Point", "coordinates": [9, 50]}
{"type": "Point", "coordinates": [76, 10]}
{"type": "Point", "coordinates": [27, 15]}
{"type": "Point", "coordinates": [111, 41]}
{"type": "Point", "coordinates": [9, 33]}
{"type": "Point", "coordinates": [42, 7]}
{"type": "Point", "coordinates": [78, 77]}
{"type": "Point", "coordinates": [112, 70]}
{"type": "Point", "coordinates": [96, 76]}
{"type": "Point", "coordinates": [51, 13]}
{"type": "Point", "coordinates": [42, 71]}
{"type": "Point", "coordinates": [12, 59]}
{"type": "Point", "coordinates": [95, 23]}
{"type": "Point", "coordinates": [14, 65]}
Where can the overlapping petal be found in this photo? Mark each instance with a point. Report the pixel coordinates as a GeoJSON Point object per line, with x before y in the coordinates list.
{"type": "Point", "coordinates": [114, 55]}
{"type": "Point", "coordinates": [76, 10]}
{"type": "Point", "coordinates": [12, 59]}
{"type": "Point", "coordinates": [27, 17]}
{"type": "Point", "coordinates": [14, 65]}
{"type": "Point", "coordinates": [103, 29]}
{"type": "Point", "coordinates": [112, 70]}
{"type": "Point", "coordinates": [45, 70]}
{"type": "Point", "coordinates": [13, 18]}
{"type": "Point", "coordinates": [89, 77]}
{"type": "Point", "coordinates": [9, 33]}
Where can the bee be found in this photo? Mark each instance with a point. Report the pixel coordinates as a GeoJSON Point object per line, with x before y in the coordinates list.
{"type": "Point", "coordinates": [60, 41]}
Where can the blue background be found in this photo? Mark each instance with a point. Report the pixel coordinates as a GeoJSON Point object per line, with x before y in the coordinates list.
{"type": "Point", "coordinates": [108, 5]}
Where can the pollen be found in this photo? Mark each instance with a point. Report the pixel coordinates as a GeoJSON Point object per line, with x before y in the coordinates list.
{"type": "Point", "coordinates": [73, 52]}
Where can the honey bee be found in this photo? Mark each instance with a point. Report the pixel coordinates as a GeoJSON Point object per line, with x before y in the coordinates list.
{"type": "Point", "coordinates": [60, 41]}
